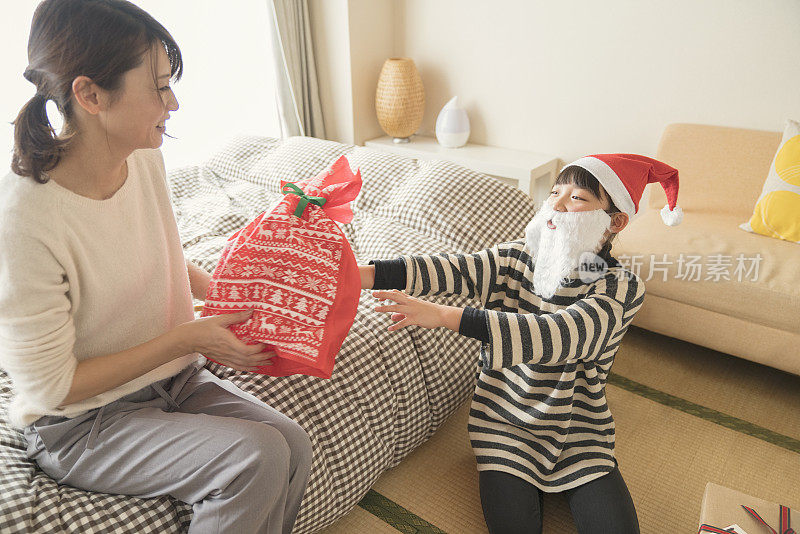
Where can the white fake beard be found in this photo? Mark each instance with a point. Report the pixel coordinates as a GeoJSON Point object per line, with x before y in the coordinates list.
{"type": "Point", "coordinates": [558, 251]}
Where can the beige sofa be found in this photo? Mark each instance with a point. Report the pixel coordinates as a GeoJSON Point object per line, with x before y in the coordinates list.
{"type": "Point", "coordinates": [722, 171]}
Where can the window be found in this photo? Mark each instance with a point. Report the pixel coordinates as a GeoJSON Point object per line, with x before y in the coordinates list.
{"type": "Point", "coordinates": [228, 83]}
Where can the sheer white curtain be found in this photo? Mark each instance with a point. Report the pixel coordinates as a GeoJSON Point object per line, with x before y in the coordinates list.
{"type": "Point", "coordinates": [299, 107]}
{"type": "Point", "coordinates": [228, 85]}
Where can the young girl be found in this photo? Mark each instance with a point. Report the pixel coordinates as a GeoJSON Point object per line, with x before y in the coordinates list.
{"type": "Point", "coordinates": [555, 308]}
{"type": "Point", "coordinates": [97, 330]}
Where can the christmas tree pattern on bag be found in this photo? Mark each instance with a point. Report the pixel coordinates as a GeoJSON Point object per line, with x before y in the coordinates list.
{"type": "Point", "coordinates": [294, 267]}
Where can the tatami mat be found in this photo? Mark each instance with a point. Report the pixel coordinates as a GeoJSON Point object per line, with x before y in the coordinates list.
{"type": "Point", "coordinates": [744, 389]}
{"type": "Point", "coordinates": [685, 416]}
{"type": "Point", "coordinates": [361, 521]}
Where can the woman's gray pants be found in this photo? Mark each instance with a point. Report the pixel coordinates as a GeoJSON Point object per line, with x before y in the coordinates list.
{"type": "Point", "coordinates": [242, 465]}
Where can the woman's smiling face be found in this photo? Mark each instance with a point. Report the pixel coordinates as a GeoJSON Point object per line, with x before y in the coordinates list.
{"type": "Point", "coordinates": [137, 114]}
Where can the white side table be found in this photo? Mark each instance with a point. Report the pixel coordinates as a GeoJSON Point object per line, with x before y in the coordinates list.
{"type": "Point", "coordinates": [532, 173]}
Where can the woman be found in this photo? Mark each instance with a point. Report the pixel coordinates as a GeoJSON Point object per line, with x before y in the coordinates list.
{"type": "Point", "coordinates": [97, 330]}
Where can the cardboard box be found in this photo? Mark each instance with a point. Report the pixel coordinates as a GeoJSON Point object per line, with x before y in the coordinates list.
{"type": "Point", "coordinates": [722, 507]}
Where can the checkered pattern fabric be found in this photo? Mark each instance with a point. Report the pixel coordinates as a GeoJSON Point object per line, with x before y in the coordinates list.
{"type": "Point", "coordinates": [389, 391]}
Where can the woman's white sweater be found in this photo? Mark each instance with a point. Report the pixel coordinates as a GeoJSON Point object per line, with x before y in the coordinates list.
{"type": "Point", "coordinates": [81, 278]}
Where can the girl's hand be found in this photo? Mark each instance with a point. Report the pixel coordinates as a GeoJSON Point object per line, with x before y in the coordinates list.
{"type": "Point", "coordinates": [210, 337]}
{"type": "Point", "coordinates": [408, 311]}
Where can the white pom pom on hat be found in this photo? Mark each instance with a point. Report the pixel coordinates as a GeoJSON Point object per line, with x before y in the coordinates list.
{"type": "Point", "coordinates": [624, 177]}
{"type": "Point", "coordinates": [671, 217]}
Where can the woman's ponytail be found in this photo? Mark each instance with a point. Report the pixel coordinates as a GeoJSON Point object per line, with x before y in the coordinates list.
{"type": "Point", "coordinates": [37, 147]}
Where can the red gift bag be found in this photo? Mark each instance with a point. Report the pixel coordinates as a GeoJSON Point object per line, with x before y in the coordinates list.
{"type": "Point", "coordinates": [294, 267]}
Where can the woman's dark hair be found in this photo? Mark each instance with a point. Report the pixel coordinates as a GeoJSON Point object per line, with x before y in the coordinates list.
{"type": "Point", "coordinates": [100, 39]}
{"type": "Point", "coordinates": [584, 179]}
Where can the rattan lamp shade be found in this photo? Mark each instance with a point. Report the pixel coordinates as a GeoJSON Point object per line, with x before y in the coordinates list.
{"type": "Point", "coordinates": [400, 98]}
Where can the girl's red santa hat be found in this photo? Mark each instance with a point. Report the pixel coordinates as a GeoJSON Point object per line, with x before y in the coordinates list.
{"type": "Point", "coordinates": [624, 176]}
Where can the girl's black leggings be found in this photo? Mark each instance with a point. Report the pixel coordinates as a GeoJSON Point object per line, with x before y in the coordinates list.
{"type": "Point", "coordinates": [514, 506]}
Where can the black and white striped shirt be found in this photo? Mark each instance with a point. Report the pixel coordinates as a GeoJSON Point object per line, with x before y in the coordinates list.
{"type": "Point", "coordinates": [539, 410]}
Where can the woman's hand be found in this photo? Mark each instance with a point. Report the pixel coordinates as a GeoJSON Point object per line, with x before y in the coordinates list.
{"type": "Point", "coordinates": [210, 337]}
{"type": "Point", "coordinates": [408, 311]}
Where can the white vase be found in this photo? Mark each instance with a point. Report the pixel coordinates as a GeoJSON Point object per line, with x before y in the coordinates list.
{"type": "Point", "coordinates": [452, 125]}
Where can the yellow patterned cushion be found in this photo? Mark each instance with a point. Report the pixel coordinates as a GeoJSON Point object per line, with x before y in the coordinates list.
{"type": "Point", "coordinates": [777, 211]}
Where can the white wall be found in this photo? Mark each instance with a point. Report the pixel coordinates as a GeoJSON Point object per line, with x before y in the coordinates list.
{"type": "Point", "coordinates": [352, 39]}
{"type": "Point", "coordinates": [15, 91]}
{"type": "Point", "coordinates": [330, 32]}
{"type": "Point", "coordinates": [581, 76]}
{"type": "Point", "coordinates": [228, 83]}
{"type": "Point", "coordinates": [371, 42]}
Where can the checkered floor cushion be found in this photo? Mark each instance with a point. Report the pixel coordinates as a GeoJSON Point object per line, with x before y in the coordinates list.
{"type": "Point", "coordinates": [389, 391]}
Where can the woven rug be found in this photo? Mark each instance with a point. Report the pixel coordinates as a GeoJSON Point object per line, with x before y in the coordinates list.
{"type": "Point", "coordinates": [685, 415]}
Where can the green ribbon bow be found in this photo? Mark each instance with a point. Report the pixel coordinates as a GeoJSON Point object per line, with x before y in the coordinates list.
{"type": "Point", "coordinates": [305, 200]}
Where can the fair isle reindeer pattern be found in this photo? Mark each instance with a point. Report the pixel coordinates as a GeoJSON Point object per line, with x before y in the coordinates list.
{"type": "Point", "coordinates": [289, 270]}
{"type": "Point", "coordinates": [287, 274]}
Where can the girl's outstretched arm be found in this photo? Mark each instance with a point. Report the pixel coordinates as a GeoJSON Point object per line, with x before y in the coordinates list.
{"type": "Point", "coordinates": [407, 311]}
{"type": "Point", "coordinates": [469, 275]}
{"type": "Point", "coordinates": [367, 275]}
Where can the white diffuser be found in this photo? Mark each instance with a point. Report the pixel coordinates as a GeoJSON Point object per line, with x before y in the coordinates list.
{"type": "Point", "coordinates": [452, 125]}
